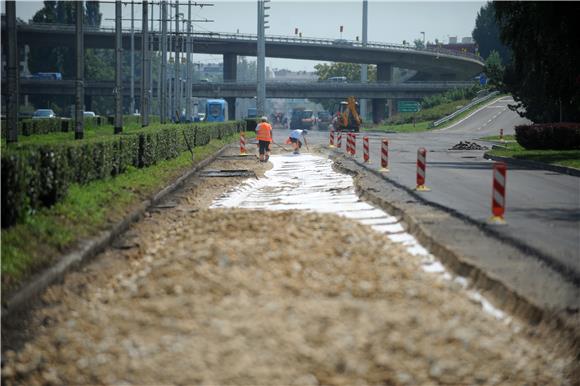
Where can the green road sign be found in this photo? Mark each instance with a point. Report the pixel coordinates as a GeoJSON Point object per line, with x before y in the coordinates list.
{"type": "Point", "coordinates": [408, 106]}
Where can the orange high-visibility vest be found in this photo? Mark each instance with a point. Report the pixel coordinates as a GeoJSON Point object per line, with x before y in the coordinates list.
{"type": "Point", "coordinates": [264, 132]}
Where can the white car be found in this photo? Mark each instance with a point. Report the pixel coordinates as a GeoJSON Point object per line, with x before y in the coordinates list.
{"type": "Point", "coordinates": [43, 114]}
{"type": "Point", "coordinates": [89, 114]}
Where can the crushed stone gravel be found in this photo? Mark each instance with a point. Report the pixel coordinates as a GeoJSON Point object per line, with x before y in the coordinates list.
{"type": "Point", "coordinates": [239, 297]}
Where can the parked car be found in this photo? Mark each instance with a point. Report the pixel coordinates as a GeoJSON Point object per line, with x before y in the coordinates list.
{"type": "Point", "coordinates": [43, 114]}
{"type": "Point", "coordinates": [307, 119]}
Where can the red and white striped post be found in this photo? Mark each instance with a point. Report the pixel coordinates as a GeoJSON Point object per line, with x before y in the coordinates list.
{"type": "Point", "coordinates": [339, 140]}
{"type": "Point", "coordinates": [353, 145]}
{"type": "Point", "coordinates": [501, 135]}
{"type": "Point", "coordinates": [348, 143]}
{"type": "Point", "coordinates": [243, 143]}
{"type": "Point", "coordinates": [366, 149]}
{"type": "Point", "coordinates": [498, 193]}
{"type": "Point", "coordinates": [384, 155]}
{"type": "Point", "coordinates": [421, 170]}
{"type": "Point", "coordinates": [331, 138]}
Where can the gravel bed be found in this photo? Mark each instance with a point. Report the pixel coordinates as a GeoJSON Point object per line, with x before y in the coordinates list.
{"type": "Point", "coordinates": [239, 297]}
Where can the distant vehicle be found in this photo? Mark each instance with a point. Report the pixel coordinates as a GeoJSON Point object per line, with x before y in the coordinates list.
{"type": "Point", "coordinates": [341, 42]}
{"type": "Point", "coordinates": [307, 119]}
{"type": "Point", "coordinates": [43, 114]}
{"type": "Point", "coordinates": [216, 110]}
{"type": "Point", "coordinates": [323, 119]}
{"type": "Point", "coordinates": [89, 114]}
{"type": "Point", "coordinates": [201, 116]}
{"type": "Point", "coordinates": [296, 118]}
{"type": "Point", "coordinates": [252, 112]}
{"type": "Point", "coordinates": [47, 75]}
{"type": "Point", "coordinates": [347, 116]}
{"type": "Point", "coordinates": [337, 79]}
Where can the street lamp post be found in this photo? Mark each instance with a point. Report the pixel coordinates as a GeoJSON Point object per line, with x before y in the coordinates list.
{"type": "Point", "coordinates": [423, 33]}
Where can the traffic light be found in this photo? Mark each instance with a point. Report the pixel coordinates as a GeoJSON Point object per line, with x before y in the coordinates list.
{"type": "Point", "coordinates": [341, 28]}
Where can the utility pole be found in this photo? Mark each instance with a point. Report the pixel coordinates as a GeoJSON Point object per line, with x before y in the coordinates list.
{"type": "Point", "coordinates": [118, 58]}
{"type": "Point", "coordinates": [163, 77]}
{"type": "Point", "coordinates": [261, 65]}
{"type": "Point", "coordinates": [13, 77]}
{"type": "Point", "coordinates": [170, 71]}
{"type": "Point", "coordinates": [80, 61]}
{"type": "Point", "coordinates": [132, 64]}
{"type": "Point", "coordinates": [151, 37]}
{"type": "Point", "coordinates": [188, 100]}
{"type": "Point", "coordinates": [145, 66]}
{"type": "Point", "coordinates": [364, 67]}
{"type": "Point", "coordinates": [177, 85]}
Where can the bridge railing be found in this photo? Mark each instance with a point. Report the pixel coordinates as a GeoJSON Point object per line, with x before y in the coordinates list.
{"type": "Point", "coordinates": [275, 38]}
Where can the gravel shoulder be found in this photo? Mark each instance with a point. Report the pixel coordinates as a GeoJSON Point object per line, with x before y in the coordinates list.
{"type": "Point", "coordinates": [197, 296]}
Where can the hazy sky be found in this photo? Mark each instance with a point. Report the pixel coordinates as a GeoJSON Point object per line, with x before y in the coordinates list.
{"type": "Point", "coordinates": [388, 21]}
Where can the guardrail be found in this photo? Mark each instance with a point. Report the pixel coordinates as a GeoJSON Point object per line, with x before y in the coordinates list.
{"type": "Point", "coordinates": [272, 38]}
{"type": "Point", "coordinates": [464, 108]}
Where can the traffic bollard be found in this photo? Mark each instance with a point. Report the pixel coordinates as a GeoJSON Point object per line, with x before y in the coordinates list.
{"type": "Point", "coordinates": [243, 143]}
{"type": "Point", "coordinates": [353, 146]}
{"type": "Point", "coordinates": [501, 135]}
{"type": "Point", "coordinates": [421, 170]}
{"type": "Point", "coordinates": [384, 155]}
{"type": "Point", "coordinates": [498, 193]}
{"type": "Point", "coordinates": [331, 138]}
{"type": "Point", "coordinates": [339, 140]}
{"type": "Point", "coordinates": [366, 149]}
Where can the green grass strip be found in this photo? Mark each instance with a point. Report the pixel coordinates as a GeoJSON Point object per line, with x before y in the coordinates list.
{"type": "Point", "coordinates": [569, 158]}
{"type": "Point", "coordinates": [401, 128]}
{"type": "Point", "coordinates": [496, 138]}
{"type": "Point", "coordinates": [87, 209]}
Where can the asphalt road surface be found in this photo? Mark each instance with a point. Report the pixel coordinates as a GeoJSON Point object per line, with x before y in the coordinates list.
{"type": "Point", "coordinates": [542, 207]}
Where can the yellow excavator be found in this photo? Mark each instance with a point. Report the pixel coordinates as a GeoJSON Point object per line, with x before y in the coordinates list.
{"type": "Point", "coordinates": [346, 116]}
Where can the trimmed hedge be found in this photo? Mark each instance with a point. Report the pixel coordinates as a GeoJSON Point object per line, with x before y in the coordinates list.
{"type": "Point", "coordinates": [35, 176]}
{"type": "Point", "coordinates": [556, 136]}
{"type": "Point", "coordinates": [28, 127]}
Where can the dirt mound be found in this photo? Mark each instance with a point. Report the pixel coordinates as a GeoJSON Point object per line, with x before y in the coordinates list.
{"type": "Point", "coordinates": [468, 146]}
{"type": "Point", "coordinates": [278, 298]}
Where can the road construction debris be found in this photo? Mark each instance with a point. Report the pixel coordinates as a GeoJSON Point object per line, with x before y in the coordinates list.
{"type": "Point", "coordinates": [468, 146]}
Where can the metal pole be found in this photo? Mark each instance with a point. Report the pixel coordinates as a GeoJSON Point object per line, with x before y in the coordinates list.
{"type": "Point", "coordinates": [79, 96]}
{"type": "Point", "coordinates": [118, 61]}
{"type": "Point", "coordinates": [170, 71]}
{"type": "Point", "coordinates": [12, 74]}
{"type": "Point", "coordinates": [163, 77]}
{"type": "Point", "coordinates": [261, 65]}
{"type": "Point", "coordinates": [364, 67]}
{"type": "Point", "coordinates": [151, 37]}
{"type": "Point", "coordinates": [145, 65]}
{"type": "Point", "coordinates": [132, 65]}
{"type": "Point", "coordinates": [188, 101]}
{"type": "Point", "coordinates": [177, 85]}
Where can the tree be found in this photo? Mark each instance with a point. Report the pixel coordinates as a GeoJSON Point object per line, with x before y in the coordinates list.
{"type": "Point", "coordinates": [494, 69]}
{"type": "Point", "coordinates": [418, 43]}
{"type": "Point", "coordinates": [544, 75]}
{"type": "Point", "coordinates": [486, 34]}
{"type": "Point", "coordinates": [349, 70]}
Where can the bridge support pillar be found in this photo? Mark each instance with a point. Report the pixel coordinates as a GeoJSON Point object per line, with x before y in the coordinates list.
{"type": "Point", "coordinates": [384, 74]}
{"type": "Point", "coordinates": [230, 75]}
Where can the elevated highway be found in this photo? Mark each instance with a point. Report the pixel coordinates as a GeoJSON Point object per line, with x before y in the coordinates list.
{"type": "Point", "coordinates": [383, 90]}
{"type": "Point", "coordinates": [431, 64]}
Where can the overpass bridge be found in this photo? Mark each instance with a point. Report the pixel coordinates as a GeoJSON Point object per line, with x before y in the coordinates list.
{"type": "Point", "coordinates": [430, 64]}
{"type": "Point", "coordinates": [297, 90]}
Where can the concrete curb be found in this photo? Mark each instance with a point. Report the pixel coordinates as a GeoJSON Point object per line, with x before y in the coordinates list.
{"type": "Point", "coordinates": [504, 294]}
{"type": "Point", "coordinates": [30, 291]}
{"type": "Point", "coordinates": [534, 164]}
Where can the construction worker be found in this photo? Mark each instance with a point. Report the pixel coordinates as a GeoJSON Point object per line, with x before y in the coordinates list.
{"type": "Point", "coordinates": [264, 137]}
{"type": "Point", "coordinates": [294, 139]}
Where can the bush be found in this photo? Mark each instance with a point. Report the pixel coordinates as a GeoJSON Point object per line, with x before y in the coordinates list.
{"type": "Point", "coordinates": [35, 176]}
{"type": "Point", "coordinates": [556, 136]}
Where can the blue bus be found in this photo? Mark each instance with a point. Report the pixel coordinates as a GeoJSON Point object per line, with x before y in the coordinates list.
{"type": "Point", "coordinates": [216, 110]}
